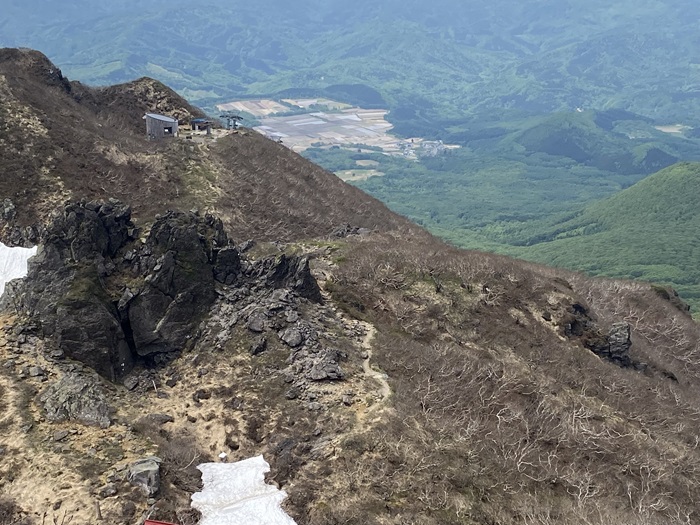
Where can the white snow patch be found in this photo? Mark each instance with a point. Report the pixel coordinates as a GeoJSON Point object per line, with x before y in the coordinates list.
{"type": "Point", "coordinates": [13, 263]}
{"type": "Point", "coordinates": [236, 494]}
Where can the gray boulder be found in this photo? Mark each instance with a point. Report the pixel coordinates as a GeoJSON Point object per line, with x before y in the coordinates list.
{"type": "Point", "coordinates": [292, 337]}
{"type": "Point", "coordinates": [257, 321]}
{"type": "Point", "coordinates": [258, 346]}
{"type": "Point", "coordinates": [77, 397]}
{"type": "Point", "coordinates": [145, 474]}
{"type": "Point", "coordinates": [326, 366]}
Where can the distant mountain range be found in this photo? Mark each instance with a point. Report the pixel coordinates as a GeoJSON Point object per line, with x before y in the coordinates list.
{"type": "Point", "coordinates": [440, 59]}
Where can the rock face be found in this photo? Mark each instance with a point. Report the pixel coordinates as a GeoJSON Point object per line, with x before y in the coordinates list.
{"type": "Point", "coordinates": [613, 346]}
{"type": "Point", "coordinates": [289, 272]}
{"type": "Point", "coordinates": [619, 342]}
{"type": "Point", "coordinates": [179, 282]}
{"type": "Point", "coordinates": [108, 298]}
{"type": "Point", "coordinates": [64, 287]}
{"type": "Point", "coordinates": [77, 397]}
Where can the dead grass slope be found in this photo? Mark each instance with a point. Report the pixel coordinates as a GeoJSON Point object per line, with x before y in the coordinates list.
{"type": "Point", "coordinates": [500, 413]}
{"type": "Point", "coordinates": [497, 411]}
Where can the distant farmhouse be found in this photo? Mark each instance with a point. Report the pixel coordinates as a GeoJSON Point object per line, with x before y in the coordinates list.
{"type": "Point", "coordinates": [160, 126]}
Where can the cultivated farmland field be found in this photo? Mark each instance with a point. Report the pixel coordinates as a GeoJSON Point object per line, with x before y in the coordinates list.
{"type": "Point", "coordinates": [324, 123]}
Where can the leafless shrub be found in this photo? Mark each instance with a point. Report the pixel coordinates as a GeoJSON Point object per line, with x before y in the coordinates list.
{"type": "Point", "coordinates": [180, 456]}
{"type": "Point", "coordinates": [499, 410]}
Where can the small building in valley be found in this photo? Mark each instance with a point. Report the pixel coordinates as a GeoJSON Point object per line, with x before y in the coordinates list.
{"type": "Point", "coordinates": [160, 126]}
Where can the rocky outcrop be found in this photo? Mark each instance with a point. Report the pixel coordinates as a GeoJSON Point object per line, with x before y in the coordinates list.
{"type": "Point", "coordinates": [292, 273]}
{"type": "Point", "coordinates": [77, 397]}
{"type": "Point", "coordinates": [228, 266]}
{"type": "Point", "coordinates": [108, 297]}
{"type": "Point", "coordinates": [180, 255]}
{"type": "Point", "coordinates": [613, 346]}
{"type": "Point", "coordinates": [347, 230]}
{"type": "Point", "coordinates": [64, 289]}
{"type": "Point", "coordinates": [619, 341]}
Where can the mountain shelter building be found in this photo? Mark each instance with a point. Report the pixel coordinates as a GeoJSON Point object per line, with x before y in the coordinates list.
{"type": "Point", "coordinates": [160, 126]}
{"type": "Point", "coordinates": [201, 124]}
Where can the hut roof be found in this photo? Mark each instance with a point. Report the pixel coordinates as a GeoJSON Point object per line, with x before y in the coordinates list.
{"type": "Point", "coordinates": [162, 118]}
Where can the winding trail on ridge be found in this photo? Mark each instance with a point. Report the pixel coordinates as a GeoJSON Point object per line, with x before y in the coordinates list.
{"type": "Point", "coordinates": [366, 344]}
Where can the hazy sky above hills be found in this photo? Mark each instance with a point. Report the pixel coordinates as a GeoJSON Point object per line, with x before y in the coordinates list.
{"type": "Point", "coordinates": [26, 17]}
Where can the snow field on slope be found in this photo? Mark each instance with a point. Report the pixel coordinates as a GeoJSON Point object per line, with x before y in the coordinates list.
{"type": "Point", "coordinates": [236, 494]}
{"type": "Point", "coordinates": [13, 263]}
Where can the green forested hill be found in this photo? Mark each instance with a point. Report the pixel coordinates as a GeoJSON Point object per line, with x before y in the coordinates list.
{"type": "Point", "coordinates": [649, 231]}
{"type": "Point", "coordinates": [512, 180]}
{"type": "Point", "coordinates": [445, 58]}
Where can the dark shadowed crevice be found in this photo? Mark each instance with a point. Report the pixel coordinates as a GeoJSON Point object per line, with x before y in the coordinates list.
{"type": "Point", "coordinates": [128, 334]}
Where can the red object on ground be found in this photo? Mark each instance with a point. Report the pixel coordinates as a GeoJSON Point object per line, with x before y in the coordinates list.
{"type": "Point", "coordinates": [152, 522]}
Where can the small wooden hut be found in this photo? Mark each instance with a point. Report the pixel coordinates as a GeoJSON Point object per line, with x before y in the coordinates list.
{"type": "Point", "coordinates": [160, 126]}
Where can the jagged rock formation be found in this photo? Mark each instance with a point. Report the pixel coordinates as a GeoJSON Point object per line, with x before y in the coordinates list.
{"type": "Point", "coordinates": [614, 346]}
{"type": "Point", "coordinates": [108, 298]}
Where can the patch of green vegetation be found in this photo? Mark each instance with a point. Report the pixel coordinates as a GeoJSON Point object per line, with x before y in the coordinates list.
{"type": "Point", "coordinates": [498, 192]}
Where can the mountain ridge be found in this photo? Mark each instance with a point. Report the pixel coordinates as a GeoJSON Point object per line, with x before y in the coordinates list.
{"type": "Point", "coordinates": [83, 142]}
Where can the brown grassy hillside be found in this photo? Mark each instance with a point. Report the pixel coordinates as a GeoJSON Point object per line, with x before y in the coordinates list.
{"type": "Point", "coordinates": [64, 140]}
